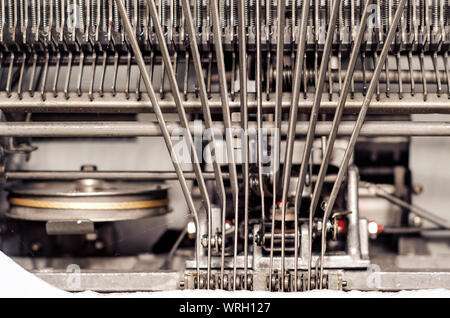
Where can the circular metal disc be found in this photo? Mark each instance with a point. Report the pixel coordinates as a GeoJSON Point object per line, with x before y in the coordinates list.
{"type": "Point", "coordinates": [87, 199]}
{"type": "Point", "coordinates": [83, 188]}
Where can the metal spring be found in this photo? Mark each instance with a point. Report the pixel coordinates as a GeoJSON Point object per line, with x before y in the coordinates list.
{"type": "Point", "coordinates": [346, 14]}
{"type": "Point", "coordinates": [58, 13]}
{"type": "Point", "coordinates": [10, 14]}
{"type": "Point", "coordinates": [251, 12]}
{"type": "Point", "coordinates": [93, 14]}
{"type": "Point", "coordinates": [289, 16]}
{"type": "Point", "coordinates": [446, 12]}
{"type": "Point", "coordinates": [104, 17]}
{"type": "Point", "coordinates": [88, 16]}
{"type": "Point", "coordinates": [435, 13]}
{"type": "Point", "coordinates": [33, 14]}
{"type": "Point", "coordinates": [234, 12]}
{"type": "Point", "coordinates": [298, 7]}
{"type": "Point", "coordinates": [273, 12]}
{"type": "Point", "coordinates": [222, 13]}
{"type": "Point", "coordinates": [175, 13]}
{"type": "Point", "coordinates": [198, 13]}
{"type": "Point", "coordinates": [81, 15]}
{"type": "Point", "coordinates": [163, 13]}
{"type": "Point", "coordinates": [394, 8]}
{"type": "Point", "coordinates": [269, 20]}
{"type": "Point", "coordinates": [422, 12]}
{"type": "Point", "coordinates": [385, 15]}
{"type": "Point", "coordinates": [409, 14]}
{"type": "Point", "coordinates": [22, 13]}
{"type": "Point", "coordinates": [141, 15]}
{"type": "Point", "coordinates": [44, 13]}
{"type": "Point", "coordinates": [116, 18]}
{"type": "Point", "coordinates": [127, 8]}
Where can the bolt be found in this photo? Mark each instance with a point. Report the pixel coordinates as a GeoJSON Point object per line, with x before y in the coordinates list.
{"type": "Point", "coordinates": [204, 241]}
{"type": "Point", "coordinates": [36, 246]}
{"type": "Point", "coordinates": [99, 245]}
{"type": "Point", "coordinates": [417, 221]}
{"type": "Point", "coordinates": [417, 189]}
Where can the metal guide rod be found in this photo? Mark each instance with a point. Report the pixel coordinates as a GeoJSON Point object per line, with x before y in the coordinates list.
{"type": "Point", "coordinates": [267, 37]}
{"type": "Point", "coordinates": [111, 175]}
{"type": "Point", "coordinates": [105, 175]}
{"type": "Point", "coordinates": [162, 124]}
{"type": "Point", "coordinates": [242, 34]}
{"type": "Point", "coordinates": [281, 8]}
{"type": "Point", "coordinates": [183, 119]}
{"type": "Point", "coordinates": [435, 219]}
{"type": "Point", "coordinates": [338, 115]}
{"type": "Point", "coordinates": [313, 119]}
{"type": "Point", "coordinates": [227, 123]}
{"type": "Point", "coordinates": [149, 129]}
{"type": "Point", "coordinates": [292, 124]}
{"type": "Point", "coordinates": [206, 117]}
{"type": "Point", "coordinates": [259, 115]}
{"type": "Point", "coordinates": [358, 125]}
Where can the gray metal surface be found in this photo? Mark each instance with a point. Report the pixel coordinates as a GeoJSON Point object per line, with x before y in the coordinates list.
{"type": "Point", "coordinates": [395, 281]}
{"type": "Point", "coordinates": [113, 281]}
